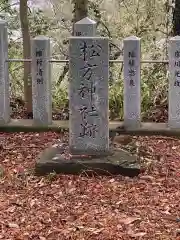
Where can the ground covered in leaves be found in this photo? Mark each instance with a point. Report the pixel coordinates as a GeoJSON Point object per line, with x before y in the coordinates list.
{"type": "Point", "coordinates": [85, 208]}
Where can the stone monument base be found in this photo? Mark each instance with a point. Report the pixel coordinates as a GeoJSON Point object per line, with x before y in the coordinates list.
{"type": "Point", "coordinates": [58, 159]}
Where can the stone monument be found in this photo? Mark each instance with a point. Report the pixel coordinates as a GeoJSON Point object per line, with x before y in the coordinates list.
{"type": "Point", "coordinates": [41, 80]}
{"type": "Point", "coordinates": [132, 89]}
{"type": "Point", "coordinates": [4, 75]}
{"type": "Point", "coordinates": [88, 149]}
{"type": "Point", "coordinates": [88, 95]}
{"type": "Point", "coordinates": [174, 83]}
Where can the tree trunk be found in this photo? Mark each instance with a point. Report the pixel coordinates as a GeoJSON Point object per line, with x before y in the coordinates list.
{"type": "Point", "coordinates": [80, 10]}
{"type": "Point", "coordinates": [176, 18]}
{"type": "Point", "coordinates": [26, 54]}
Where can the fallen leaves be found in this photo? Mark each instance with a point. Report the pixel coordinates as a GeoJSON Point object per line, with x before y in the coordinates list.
{"type": "Point", "coordinates": [128, 220]}
{"type": "Point", "coordinates": [136, 234]}
{"type": "Point", "coordinates": [13, 225]}
{"type": "Point", "coordinates": [84, 208]}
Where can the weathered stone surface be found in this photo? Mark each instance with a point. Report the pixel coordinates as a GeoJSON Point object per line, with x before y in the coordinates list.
{"type": "Point", "coordinates": [85, 27]}
{"type": "Point", "coordinates": [4, 75]}
{"type": "Point", "coordinates": [88, 95]}
{"type": "Point", "coordinates": [41, 80]}
{"type": "Point", "coordinates": [55, 159]}
{"type": "Point", "coordinates": [174, 83]}
{"type": "Point", "coordinates": [132, 89]}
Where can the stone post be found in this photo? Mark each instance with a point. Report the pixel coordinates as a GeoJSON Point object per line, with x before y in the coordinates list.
{"type": "Point", "coordinates": [88, 95]}
{"type": "Point", "coordinates": [132, 91]}
{"type": "Point", "coordinates": [41, 80]}
{"type": "Point", "coordinates": [174, 83]}
{"type": "Point", "coordinates": [85, 27]}
{"type": "Point", "coordinates": [4, 76]}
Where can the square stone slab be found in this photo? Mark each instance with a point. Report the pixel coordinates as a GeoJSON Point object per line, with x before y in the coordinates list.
{"type": "Point", "coordinates": [58, 159]}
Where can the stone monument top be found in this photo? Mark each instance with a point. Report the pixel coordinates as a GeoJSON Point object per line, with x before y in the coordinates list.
{"type": "Point", "coordinates": [175, 38]}
{"type": "Point", "coordinates": [85, 27]}
{"type": "Point", "coordinates": [2, 21]}
{"type": "Point", "coordinates": [131, 38]}
{"type": "Point", "coordinates": [86, 20]}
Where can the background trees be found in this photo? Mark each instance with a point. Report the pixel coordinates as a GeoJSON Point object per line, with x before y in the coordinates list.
{"type": "Point", "coordinates": [153, 21]}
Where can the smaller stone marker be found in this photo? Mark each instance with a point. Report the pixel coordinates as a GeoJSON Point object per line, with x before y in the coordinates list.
{"type": "Point", "coordinates": [85, 27]}
{"type": "Point", "coordinates": [4, 75]}
{"type": "Point", "coordinates": [88, 95]}
{"type": "Point", "coordinates": [132, 90]}
{"type": "Point", "coordinates": [174, 83]}
{"type": "Point", "coordinates": [41, 80]}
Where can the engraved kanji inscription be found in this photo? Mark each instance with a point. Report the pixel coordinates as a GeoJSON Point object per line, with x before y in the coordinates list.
{"type": "Point", "coordinates": [39, 54]}
{"type": "Point", "coordinates": [89, 130]}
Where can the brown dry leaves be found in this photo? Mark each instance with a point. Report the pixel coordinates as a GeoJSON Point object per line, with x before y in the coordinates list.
{"type": "Point", "coordinates": [78, 207]}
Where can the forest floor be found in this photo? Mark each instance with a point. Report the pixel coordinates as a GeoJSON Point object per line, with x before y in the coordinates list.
{"type": "Point", "coordinates": [88, 208]}
{"type": "Point", "coordinates": [82, 207]}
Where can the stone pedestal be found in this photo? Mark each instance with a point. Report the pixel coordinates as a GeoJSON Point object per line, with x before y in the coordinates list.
{"type": "Point", "coordinates": [59, 159]}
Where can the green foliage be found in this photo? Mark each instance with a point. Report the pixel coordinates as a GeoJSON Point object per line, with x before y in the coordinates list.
{"type": "Point", "coordinates": [42, 23]}
{"type": "Point", "coordinates": [51, 176]}
{"type": "Point", "coordinates": [154, 87]}
{"type": "Point", "coordinates": [60, 97]}
{"type": "Point", "coordinates": [116, 101]}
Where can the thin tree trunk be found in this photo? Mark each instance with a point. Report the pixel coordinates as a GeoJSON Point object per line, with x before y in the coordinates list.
{"type": "Point", "coordinates": [176, 18]}
{"type": "Point", "coordinates": [26, 54]}
{"type": "Point", "coordinates": [80, 11]}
